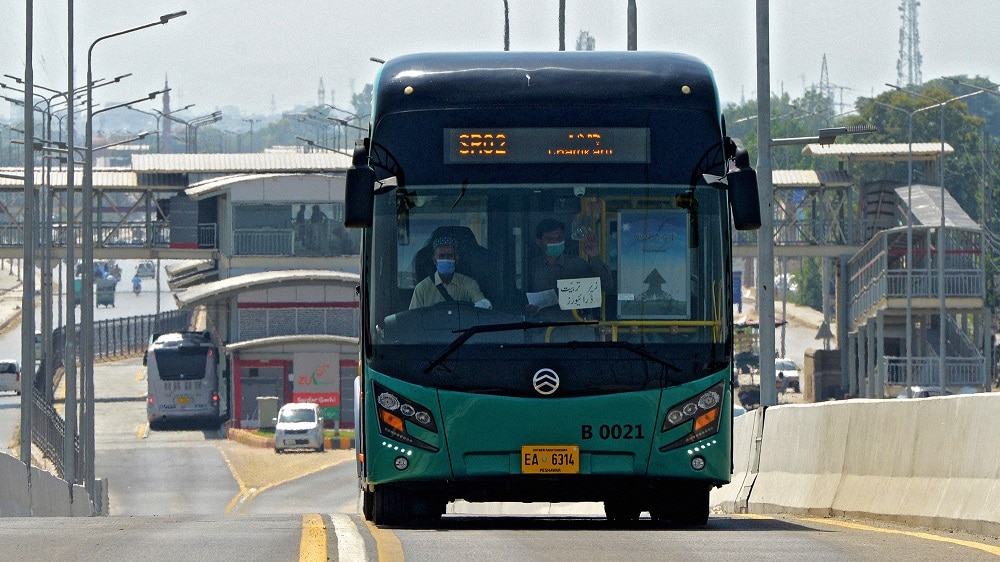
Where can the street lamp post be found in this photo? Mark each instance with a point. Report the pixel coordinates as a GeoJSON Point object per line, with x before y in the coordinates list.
{"type": "Point", "coordinates": [351, 116]}
{"type": "Point", "coordinates": [28, 287]}
{"type": "Point", "coordinates": [158, 115]}
{"type": "Point", "coordinates": [319, 146]}
{"type": "Point", "coordinates": [346, 125]}
{"type": "Point", "coordinates": [251, 121]}
{"type": "Point", "coordinates": [909, 237]}
{"type": "Point", "coordinates": [87, 298]}
{"type": "Point", "coordinates": [942, 239]}
{"type": "Point", "coordinates": [197, 122]}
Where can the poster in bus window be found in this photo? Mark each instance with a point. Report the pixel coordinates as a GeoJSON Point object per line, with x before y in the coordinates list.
{"type": "Point", "coordinates": [653, 279]}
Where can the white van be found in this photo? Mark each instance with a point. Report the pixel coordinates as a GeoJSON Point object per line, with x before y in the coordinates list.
{"type": "Point", "coordinates": [299, 426]}
{"type": "Point", "coordinates": [10, 376]}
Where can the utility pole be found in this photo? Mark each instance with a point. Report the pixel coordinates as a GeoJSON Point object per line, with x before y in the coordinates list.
{"type": "Point", "coordinates": [632, 24]}
{"type": "Point", "coordinates": [30, 232]}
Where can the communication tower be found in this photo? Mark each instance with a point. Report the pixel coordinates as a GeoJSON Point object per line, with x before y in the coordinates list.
{"type": "Point", "coordinates": [908, 65]}
{"type": "Point", "coordinates": [167, 133]}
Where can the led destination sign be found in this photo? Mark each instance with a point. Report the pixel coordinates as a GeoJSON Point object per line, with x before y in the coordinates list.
{"type": "Point", "coordinates": [547, 145]}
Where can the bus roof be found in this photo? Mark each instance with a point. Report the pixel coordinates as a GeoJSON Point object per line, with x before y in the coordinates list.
{"type": "Point", "coordinates": [457, 80]}
{"type": "Point", "coordinates": [174, 339]}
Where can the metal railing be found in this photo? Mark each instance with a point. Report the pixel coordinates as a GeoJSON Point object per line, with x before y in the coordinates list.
{"type": "Point", "coordinates": [813, 232]}
{"type": "Point", "coordinates": [208, 235]}
{"type": "Point", "coordinates": [263, 242]}
{"type": "Point", "coordinates": [879, 270]}
{"type": "Point", "coordinates": [125, 336]}
{"type": "Point", "coordinates": [48, 433]}
{"type": "Point", "coordinates": [959, 371]}
{"type": "Point", "coordinates": [156, 234]}
{"type": "Point", "coordinates": [114, 337]}
{"type": "Point", "coordinates": [270, 322]}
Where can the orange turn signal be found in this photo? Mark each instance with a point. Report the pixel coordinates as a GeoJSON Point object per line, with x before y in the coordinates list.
{"type": "Point", "coordinates": [705, 419]}
{"type": "Point", "coordinates": [392, 420]}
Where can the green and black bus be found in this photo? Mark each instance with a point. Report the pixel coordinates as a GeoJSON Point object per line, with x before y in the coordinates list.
{"type": "Point", "coordinates": [614, 386]}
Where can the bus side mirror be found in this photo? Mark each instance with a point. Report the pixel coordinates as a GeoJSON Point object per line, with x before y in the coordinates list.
{"type": "Point", "coordinates": [743, 195]}
{"type": "Point", "coordinates": [359, 196]}
{"type": "Point", "coordinates": [744, 199]}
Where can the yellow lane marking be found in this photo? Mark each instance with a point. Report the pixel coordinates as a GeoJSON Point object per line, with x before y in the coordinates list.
{"type": "Point", "coordinates": [752, 516]}
{"type": "Point", "coordinates": [312, 545]}
{"type": "Point", "coordinates": [979, 546]}
{"type": "Point", "coordinates": [387, 543]}
{"type": "Point", "coordinates": [140, 375]}
{"type": "Point", "coordinates": [239, 482]}
{"type": "Point", "coordinates": [247, 494]}
{"type": "Point", "coordinates": [142, 432]}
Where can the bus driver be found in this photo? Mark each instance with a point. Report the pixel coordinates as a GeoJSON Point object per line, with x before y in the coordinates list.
{"type": "Point", "coordinates": [445, 284]}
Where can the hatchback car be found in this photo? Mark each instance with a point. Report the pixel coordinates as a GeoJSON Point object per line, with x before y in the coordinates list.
{"type": "Point", "coordinates": [299, 426]}
{"type": "Point", "coordinates": [786, 374]}
{"type": "Point", "coordinates": [10, 376]}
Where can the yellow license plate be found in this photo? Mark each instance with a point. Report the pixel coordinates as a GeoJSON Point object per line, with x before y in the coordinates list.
{"type": "Point", "coordinates": [183, 400]}
{"type": "Point", "coordinates": [550, 459]}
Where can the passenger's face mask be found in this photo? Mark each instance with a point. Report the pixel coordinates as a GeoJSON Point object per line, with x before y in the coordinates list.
{"type": "Point", "coordinates": [446, 267]}
{"type": "Point", "coordinates": [555, 250]}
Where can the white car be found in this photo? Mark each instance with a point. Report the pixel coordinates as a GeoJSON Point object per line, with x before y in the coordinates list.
{"type": "Point", "coordinates": [786, 375]}
{"type": "Point", "coordinates": [146, 270]}
{"type": "Point", "coordinates": [299, 426]}
{"type": "Point", "coordinates": [921, 392]}
{"type": "Point", "coordinates": [10, 376]}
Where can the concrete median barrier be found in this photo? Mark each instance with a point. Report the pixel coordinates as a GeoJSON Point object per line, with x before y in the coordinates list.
{"type": "Point", "coordinates": [48, 495]}
{"type": "Point", "coordinates": [932, 462]}
{"type": "Point", "coordinates": [747, 429]}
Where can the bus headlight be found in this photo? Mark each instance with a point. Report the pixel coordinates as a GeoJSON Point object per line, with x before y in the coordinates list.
{"type": "Point", "coordinates": [704, 410]}
{"type": "Point", "coordinates": [394, 411]}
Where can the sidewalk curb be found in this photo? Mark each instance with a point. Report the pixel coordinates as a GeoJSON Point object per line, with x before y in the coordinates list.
{"type": "Point", "coordinates": [251, 439]}
{"type": "Point", "coordinates": [14, 318]}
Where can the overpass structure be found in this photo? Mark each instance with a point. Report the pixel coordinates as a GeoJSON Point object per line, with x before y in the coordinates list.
{"type": "Point", "coordinates": [881, 246]}
{"type": "Point", "coordinates": [142, 211]}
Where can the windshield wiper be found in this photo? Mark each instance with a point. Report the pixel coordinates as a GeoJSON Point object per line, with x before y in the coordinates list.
{"type": "Point", "coordinates": [487, 328]}
{"type": "Point", "coordinates": [641, 352]}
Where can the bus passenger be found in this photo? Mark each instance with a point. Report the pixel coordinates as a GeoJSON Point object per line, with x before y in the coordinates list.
{"type": "Point", "coordinates": [445, 284]}
{"type": "Point", "coordinates": [553, 264]}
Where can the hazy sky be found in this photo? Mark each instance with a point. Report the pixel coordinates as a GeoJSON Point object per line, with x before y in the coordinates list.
{"type": "Point", "coordinates": [247, 52]}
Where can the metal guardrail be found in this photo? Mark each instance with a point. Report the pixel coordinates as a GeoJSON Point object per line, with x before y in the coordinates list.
{"type": "Point", "coordinates": [48, 433]}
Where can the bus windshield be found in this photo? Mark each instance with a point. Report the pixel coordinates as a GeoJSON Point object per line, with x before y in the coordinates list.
{"type": "Point", "coordinates": [622, 272]}
{"type": "Point", "coordinates": [182, 363]}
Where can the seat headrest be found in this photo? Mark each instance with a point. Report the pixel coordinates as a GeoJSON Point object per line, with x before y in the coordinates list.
{"type": "Point", "coordinates": [459, 233]}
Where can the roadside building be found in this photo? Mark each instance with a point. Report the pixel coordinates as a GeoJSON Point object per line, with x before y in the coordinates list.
{"type": "Point", "coordinates": [280, 292]}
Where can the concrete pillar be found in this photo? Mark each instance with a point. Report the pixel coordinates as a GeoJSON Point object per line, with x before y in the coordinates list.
{"type": "Point", "coordinates": [880, 354]}
{"type": "Point", "coordinates": [862, 338]}
{"type": "Point", "coordinates": [870, 390]}
{"type": "Point", "coordinates": [851, 364]}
